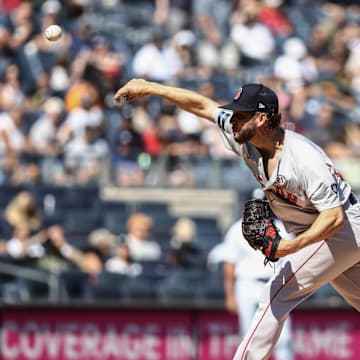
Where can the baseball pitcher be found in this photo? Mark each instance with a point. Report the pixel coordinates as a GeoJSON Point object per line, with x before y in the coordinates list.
{"type": "Point", "coordinates": [302, 188]}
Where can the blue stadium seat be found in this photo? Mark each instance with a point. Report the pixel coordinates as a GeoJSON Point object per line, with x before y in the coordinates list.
{"type": "Point", "coordinates": [82, 221]}
{"type": "Point", "coordinates": [109, 206]}
{"type": "Point", "coordinates": [182, 284]}
{"type": "Point", "coordinates": [140, 287]}
{"type": "Point", "coordinates": [115, 222]}
{"type": "Point", "coordinates": [73, 284]}
{"type": "Point", "coordinates": [107, 285]}
{"type": "Point", "coordinates": [213, 287]}
{"type": "Point", "coordinates": [154, 209]}
{"type": "Point", "coordinates": [80, 197]}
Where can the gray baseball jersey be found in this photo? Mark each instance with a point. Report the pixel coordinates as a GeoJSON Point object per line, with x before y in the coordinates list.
{"type": "Point", "coordinates": [304, 183]}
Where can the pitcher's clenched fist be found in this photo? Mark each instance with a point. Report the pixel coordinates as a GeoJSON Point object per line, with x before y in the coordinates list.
{"type": "Point", "coordinates": [134, 89]}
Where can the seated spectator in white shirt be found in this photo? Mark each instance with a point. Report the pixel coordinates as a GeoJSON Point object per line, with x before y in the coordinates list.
{"type": "Point", "coordinates": [43, 136]}
{"type": "Point", "coordinates": [138, 238]}
{"type": "Point", "coordinates": [87, 114]}
{"type": "Point", "coordinates": [12, 139]}
{"type": "Point", "coordinates": [84, 155]}
{"type": "Point", "coordinates": [122, 262]}
{"type": "Point", "coordinates": [158, 61]}
{"type": "Point", "coordinates": [254, 40]}
{"type": "Point", "coordinates": [22, 246]}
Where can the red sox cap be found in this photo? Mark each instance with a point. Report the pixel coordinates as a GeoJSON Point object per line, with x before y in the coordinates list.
{"type": "Point", "coordinates": [254, 97]}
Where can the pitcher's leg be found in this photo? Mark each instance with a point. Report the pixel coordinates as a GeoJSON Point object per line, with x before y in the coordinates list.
{"type": "Point", "coordinates": [302, 274]}
{"type": "Point", "coordinates": [348, 285]}
{"type": "Point", "coordinates": [284, 349]}
{"type": "Point", "coordinates": [279, 297]}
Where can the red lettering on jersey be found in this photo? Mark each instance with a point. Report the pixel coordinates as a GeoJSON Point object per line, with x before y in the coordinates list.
{"type": "Point", "coordinates": [292, 198]}
{"type": "Point", "coordinates": [285, 195]}
{"type": "Point", "coordinates": [279, 191]}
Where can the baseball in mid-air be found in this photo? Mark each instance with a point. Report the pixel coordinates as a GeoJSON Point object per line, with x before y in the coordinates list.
{"type": "Point", "coordinates": [53, 32]}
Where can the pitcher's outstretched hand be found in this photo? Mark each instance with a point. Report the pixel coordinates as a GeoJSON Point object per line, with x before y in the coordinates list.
{"type": "Point", "coordinates": [134, 89]}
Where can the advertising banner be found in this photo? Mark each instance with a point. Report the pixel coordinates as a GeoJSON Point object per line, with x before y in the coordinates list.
{"type": "Point", "coordinates": [87, 335]}
{"type": "Point", "coordinates": [162, 335]}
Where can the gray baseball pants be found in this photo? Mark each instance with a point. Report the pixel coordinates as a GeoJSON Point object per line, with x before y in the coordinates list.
{"type": "Point", "coordinates": [335, 261]}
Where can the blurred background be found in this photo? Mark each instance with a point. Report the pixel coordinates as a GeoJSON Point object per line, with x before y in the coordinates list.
{"type": "Point", "coordinates": [111, 211]}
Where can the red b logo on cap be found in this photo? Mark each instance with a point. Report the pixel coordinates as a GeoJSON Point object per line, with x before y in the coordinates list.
{"type": "Point", "coordinates": [238, 93]}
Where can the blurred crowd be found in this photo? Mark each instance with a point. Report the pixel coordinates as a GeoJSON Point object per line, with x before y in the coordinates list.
{"type": "Point", "coordinates": [60, 127]}
{"type": "Point", "coordinates": [42, 259]}
{"type": "Point", "coordinates": [58, 121]}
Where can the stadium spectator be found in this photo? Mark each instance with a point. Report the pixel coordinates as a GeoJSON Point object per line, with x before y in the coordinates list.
{"type": "Point", "coordinates": [299, 67]}
{"type": "Point", "coordinates": [156, 60]}
{"type": "Point", "coordinates": [105, 65]}
{"type": "Point", "coordinates": [122, 263]}
{"type": "Point", "coordinates": [87, 114]}
{"type": "Point", "coordinates": [11, 93]}
{"type": "Point", "coordinates": [85, 156]}
{"type": "Point", "coordinates": [104, 242]}
{"type": "Point", "coordinates": [20, 211]}
{"type": "Point", "coordinates": [273, 15]}
{"type": "Point", "coordinates": [43, 133]}
{"type": "Point", "coordinates": [75, 68]}
{"type": "Point", "coordinates": [139, 239]}
{"type": "Point", "coordinates": [215, 50]}
{"type": "Point", "coordinates": [58, 255]}
{"type": "Point", "coordinates": [13, 140]}
{"type": "Point", "coordinates": [183, 251]}
{"type": "Point", "coordinates": [22, 246]}
{"type": "Point", "coordinates": [195, 39]}
{"type": "Point", "coordinates": [7, 53]}
{"type": "Point", "coordinates": [21, 23]}
{"type": "Point", "coordinates": [327, 127]}
{"type": "Point", "coordinates": [172, 15]}
{"type": "Point", "coordinates": [128, 144]}
{"type": "Point", "coordinates": [254, 40]}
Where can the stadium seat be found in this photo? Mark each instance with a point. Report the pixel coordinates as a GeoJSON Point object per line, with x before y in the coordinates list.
{"type": "Point", "coordinates": [80, 197]}
{"type": "Point", "coordinates": [140, 287]}
{"type": "Point", "coordinates": [50, 192]}
{"type": "Point", "coordinates": [205, 225]}
{"type": "Point", "coordinates": [82, 221]}
{"type": "Point", "coordinates": [34, 290]}
{"type": "Point", "coordinates": [8, 192]}
{"type": "Point", "coordinates": [56, 218]}
{"type": "Point", "coordinates": [155, 268]}
{"type": "Point", "coordinates": [213, 287]}
{"type": "Point", "coordinates": [115, 222]}
{"type": "Point", "coordinates": [232, 171]}
{"type": "Point", "coordinates": [107, 285]}
{"type": "Point", "coordinates": [79, 240]}
{"type": "Point", "coordinates": [9, 287]}
{"type": "Point", "coordinates": [73, 284]}
{"type": "Point", "coordinates": [156, 210]}
{"type": "Point", "coordinates": [108, 206]}
{"type": "Point", "coordinates": [181, 284]}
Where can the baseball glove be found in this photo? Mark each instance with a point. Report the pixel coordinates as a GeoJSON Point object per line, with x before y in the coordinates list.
{"type": "Point", "coordinates": [259, 229]}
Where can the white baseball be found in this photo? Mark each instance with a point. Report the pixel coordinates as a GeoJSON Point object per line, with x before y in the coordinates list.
{"type": "Point", "coordinates": [53, 32]}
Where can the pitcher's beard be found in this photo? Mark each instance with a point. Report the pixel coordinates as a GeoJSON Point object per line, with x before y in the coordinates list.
{"type": "Point", "coordinates": [244, 135]}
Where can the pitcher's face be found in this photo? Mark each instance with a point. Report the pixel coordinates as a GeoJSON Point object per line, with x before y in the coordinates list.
{"type": "Point", "coordinates": [243, 126]}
